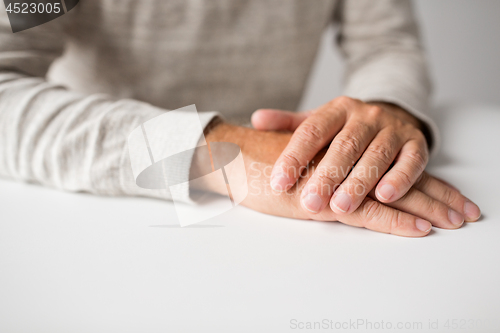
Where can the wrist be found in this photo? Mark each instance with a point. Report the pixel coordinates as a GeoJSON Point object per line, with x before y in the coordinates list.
{"type": "Point", "coordinates": [220, 131]}
{"type": "Point", "coordinates": [202, 162]}
{"type": "Point", "coordinates": [401, 114]}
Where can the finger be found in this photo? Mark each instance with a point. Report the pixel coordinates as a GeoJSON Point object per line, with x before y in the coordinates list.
{"type": "Point", "coordinates": [446, 183]}
{"type": "Point", "coordinates": [409, 165]}
{"type": "Point", "coordinates": [376, 216]}
{"type": "Point", "coordinates": [449, 196]}
{"type": "Point", "coordinates": [277, 120]}
{"type": "Point", "coordinates": [420, 204]}
{"type": "Point", "coordinates": [344, 151]}
{"type": "Point", "coordinates": [309, 138]}
{"type": "Point", "coordinates": [373, 164]}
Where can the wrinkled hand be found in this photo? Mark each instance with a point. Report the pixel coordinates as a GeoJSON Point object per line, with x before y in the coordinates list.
{"type": "Point", "coordinates": [364, 141]}
{"type": "Point", "coordinates": [430, 201]}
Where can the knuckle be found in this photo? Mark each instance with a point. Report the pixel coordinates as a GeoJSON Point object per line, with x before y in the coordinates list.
{"type": "Point", "coordinates": [290, 160]}
{"type": "Point", "coordinates": [421, 141]}
{"type": "Point", "coordinates": [433, 207]}
{"type": "Point", "coordinates": [418, 159]}
{"type": "Point", "coordinates": [393, 136]}
{"type": "Point", "coordinates": [423, 179]}
{"type": "Point", "coordinates": [404, 177]}
{"type": "Point", "coordinates": [403, 126]}
{"type": "Point", "coordinates": [372, 211]}
{"type": "Point", "coordinates": [348, 146]}
{"type": "Point", "coordinates": [397, 222]}
{"type": "Point", "coordinates": [312, 133]}
{"type": "Point", "coordinates": [419, 136]}
{"type": "Point", "coordinates": [343, 100]}
{"type": "Point", "coordinates": [382, 152]}
{"type": "Point", "coordinates": [450, 196]}
{"type": "Point", "coordinates": [374, 111]}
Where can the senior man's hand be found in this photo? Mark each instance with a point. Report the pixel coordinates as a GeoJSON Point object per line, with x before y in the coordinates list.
{"type": "Point", "coordinates": [429, 202]}
{"type": "Point", "coordinates": [364, 141]}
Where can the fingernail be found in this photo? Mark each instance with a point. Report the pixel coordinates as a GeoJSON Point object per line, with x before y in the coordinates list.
{"type": "Point", "coordinates": [312, 202]}
{"type": "Point", "coordinates": [423, 225]}
{"type": "Point", "coordinates": [280, 181]}
{"type": "Point", "coordinates": [472, 211]}
{"type": "Point", "coordinates": [342, 202]}
{"type": "Point", "coordinates": [386, 191]}
{"type": "Point", "coordinates": [455, 217]}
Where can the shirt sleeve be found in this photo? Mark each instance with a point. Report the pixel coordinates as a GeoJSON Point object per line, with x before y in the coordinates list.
{"type": "Point", "coordinates": [67, 140]}
{"type": "Point", "coordinates": [385, 61]}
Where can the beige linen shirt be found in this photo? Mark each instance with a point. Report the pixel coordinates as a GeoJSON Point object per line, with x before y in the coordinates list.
{"type": "Point", "coordinates": [118, 63]}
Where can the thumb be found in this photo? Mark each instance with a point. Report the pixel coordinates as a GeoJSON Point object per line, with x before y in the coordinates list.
{"type": "Point", "coordinates": [277, 120]}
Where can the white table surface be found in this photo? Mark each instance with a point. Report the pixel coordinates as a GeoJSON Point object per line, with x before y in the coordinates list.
{"type": "Point", "coordinates": [81, 263]}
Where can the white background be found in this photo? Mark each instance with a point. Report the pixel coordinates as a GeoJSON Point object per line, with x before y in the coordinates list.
{"type": "Point", "coordinates": [462, 38]}
{"type": "Point", "coordinates": [82, 263]}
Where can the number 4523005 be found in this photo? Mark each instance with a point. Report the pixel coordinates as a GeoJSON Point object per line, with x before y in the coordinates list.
{"type": "Point", "coordinates": [34, 8]}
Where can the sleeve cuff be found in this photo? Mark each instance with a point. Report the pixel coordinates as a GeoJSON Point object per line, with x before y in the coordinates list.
{"type": "Point", "coordinates": [167, 133]}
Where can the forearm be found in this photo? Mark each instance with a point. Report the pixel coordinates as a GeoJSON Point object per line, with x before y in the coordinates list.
{"type": "Point", "coordinates": [53, 136]}
{"type": "Point", "coordinates": [65, 140]}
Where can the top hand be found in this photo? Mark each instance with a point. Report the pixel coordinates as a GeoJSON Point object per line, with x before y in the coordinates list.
{"type": "Point", "coordinates": [367, 138]}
